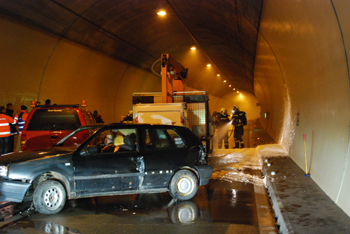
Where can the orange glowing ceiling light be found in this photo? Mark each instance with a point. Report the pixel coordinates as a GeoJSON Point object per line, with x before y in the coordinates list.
{"type": "Point", "coordinates": [218, 75]}
{"type": "Point", "coordinates": [224, 81]}
{"type": "Point", "coordinates": [161, 13]}
{"type": "Point", "coordinates": [193, 48]}
{"type": "Point", "coordinates": [237, 91]}
{"type": "Point", "coordinates": [208, 65]}
{"type": "Point", "coordinates": [229, 85]}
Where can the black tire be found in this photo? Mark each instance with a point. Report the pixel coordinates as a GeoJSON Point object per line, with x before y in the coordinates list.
{"type": "Point", "coordinates": [49, 197]}
{"type": "Point", "coordinates": [183, 185]}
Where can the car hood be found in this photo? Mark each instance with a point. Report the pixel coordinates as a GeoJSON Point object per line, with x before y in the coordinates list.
{"type": "Point", "coordinates": [34, 154]}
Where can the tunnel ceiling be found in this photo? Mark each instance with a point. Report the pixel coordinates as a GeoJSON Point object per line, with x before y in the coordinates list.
{"type": "Point", "coordinates": [224, 32]}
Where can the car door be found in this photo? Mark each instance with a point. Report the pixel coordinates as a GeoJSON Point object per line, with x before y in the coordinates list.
{"type": "Point", "coordinates": [165, 151]}
{"type": "Point", "coordinates": [108, 162]}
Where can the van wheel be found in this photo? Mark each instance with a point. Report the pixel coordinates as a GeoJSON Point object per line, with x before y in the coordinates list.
{"type": "Point", "coordinates": [183, 185]}
{"type": "Point", "coordinates": [49, 197]}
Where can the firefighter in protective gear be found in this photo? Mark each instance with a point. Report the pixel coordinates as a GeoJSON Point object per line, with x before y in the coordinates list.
{"type": "Point", "coordinates": [239, 119]}
{"type": "Point", "coordinates": [128, 118]}
{"type": "Point", "coordinates": [5, 131]}
{"type": "Point", "coordinates": [22, 117]}
{"type": "Point", "coordinates": [222, 124]}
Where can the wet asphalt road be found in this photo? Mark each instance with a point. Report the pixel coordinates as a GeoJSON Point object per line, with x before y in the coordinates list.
{"type": "Point", "coordinates": [219, 207]}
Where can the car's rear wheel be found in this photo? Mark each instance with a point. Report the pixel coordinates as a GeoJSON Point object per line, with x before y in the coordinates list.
{"type": "Point", "coordinates": [49, 197]}
{"type": "Point", "coordinates": [183, 185]}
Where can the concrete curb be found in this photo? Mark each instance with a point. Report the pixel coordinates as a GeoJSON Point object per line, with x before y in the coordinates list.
{"type": "Point", "coordinates": [283, 223]}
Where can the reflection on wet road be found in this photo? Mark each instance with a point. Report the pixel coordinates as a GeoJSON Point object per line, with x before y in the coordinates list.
{"type": "Point", "coordinates": [219, 207]}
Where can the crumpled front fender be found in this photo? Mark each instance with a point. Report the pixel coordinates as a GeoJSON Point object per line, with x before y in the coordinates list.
{"type": "Point", "coordinates": [13, 190]}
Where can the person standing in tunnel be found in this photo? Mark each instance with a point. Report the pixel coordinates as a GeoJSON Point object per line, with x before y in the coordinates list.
{"type": "Point", "coordinates": [98, 117]}
{"type": "Point", "coordinates": [47, 102]}
{"type": "Point", "coordinates": [11, 140]}
{"type": "Point", "coordinates": [222, 124]}
{"type": "Point", "coordinates": [5, 131]}
{"type": "Point", "coordinates": [128, 118]}
{"type": "Point", "coordinates": [22, 118]}
{"type": "Point", "coordinates": [239, 119]}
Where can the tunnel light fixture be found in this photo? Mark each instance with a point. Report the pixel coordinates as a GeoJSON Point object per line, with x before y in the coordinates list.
{"type": "Point", "coordinates": [161, 13]}
{"type": "Point", "coordinates": [234, 88]}
{"type": "Point", "coordinates": [237, 91]}
{"type": "Point", "coordinates": [218, 75]}
{"type": "Point", "coordinates": [193, 48]}
{"type": "Point", "coordinates": [208, 65]}
{"type": "Point", "coordinates": [224, 81]}
{"type": "Point", "coordinates": [229, 85]}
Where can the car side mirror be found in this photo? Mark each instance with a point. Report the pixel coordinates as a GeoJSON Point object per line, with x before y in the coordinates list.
{"type": "Point", "coordinates": [90, 150]}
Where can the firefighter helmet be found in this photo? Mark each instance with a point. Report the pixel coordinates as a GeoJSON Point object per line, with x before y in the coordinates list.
{"type": "Point", "coordinates": [223, 111]}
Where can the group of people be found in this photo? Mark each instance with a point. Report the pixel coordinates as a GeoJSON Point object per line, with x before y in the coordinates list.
{"type": "Point", "coordinates": [223, 122]}
{"type": "Point", "coordinates": [10, 126]}
{"type": "Point", "coordinates": [126, 119]}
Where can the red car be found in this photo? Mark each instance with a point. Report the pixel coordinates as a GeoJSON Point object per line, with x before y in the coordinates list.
{"type": "Point", "coordinates": [47, 124]}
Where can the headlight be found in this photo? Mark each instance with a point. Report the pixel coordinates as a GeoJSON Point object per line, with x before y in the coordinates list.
{"type": "Point", "coordinates": [3, 171]}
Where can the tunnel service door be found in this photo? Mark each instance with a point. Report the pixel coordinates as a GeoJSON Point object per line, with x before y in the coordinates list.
{"type": "Point", "coordinates": [108, 163]}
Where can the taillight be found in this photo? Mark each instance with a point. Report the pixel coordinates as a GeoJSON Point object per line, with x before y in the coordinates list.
{"type": "Point", "coordinates": [23, 142]}
{"type": "Point", "coordinates": [136, 119]}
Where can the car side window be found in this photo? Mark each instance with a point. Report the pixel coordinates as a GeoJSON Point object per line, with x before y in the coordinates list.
{"type": "Point", "coordinates": [162, 139]}
{"type": "Point", "coordinates": [112, 141]}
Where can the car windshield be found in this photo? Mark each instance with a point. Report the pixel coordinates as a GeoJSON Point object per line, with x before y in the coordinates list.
{"type": "Point", "coordinates": [77, 137]}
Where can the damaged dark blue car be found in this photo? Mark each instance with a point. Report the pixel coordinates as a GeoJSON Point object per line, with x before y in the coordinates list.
{"type": "Point", "coordinates": [114, 159]}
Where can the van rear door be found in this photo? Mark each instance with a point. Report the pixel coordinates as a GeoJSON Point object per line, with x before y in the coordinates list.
{"type": "Point", "coordinates": [47, 126]}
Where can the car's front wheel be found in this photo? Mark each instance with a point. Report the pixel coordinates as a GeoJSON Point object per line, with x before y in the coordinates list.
{"type": "Point", "coordinates": [49, 197]}
{"type": "Point", "coordinates": [183, 185]}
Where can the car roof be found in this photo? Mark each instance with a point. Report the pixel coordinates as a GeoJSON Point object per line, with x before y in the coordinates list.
{"type": "Point", "coordinates": [59, 106]}
{"type": "Point", "coordinates": [131, 124]}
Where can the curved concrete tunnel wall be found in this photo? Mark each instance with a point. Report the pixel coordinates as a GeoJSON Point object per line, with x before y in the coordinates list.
{"type": "Point", "coordinates": [302, 68]}
{"type": "Point", "coordinates": [36, 65]}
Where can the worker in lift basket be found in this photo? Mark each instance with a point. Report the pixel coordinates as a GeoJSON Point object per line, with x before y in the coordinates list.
{"type": "Point", "coordinates": [222, 124]}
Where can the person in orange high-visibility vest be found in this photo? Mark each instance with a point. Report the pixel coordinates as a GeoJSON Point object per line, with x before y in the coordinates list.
{"type": "Point", "coordinates": [22, 117]}
{"type": "Point", "coordinates": [5, 131]}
